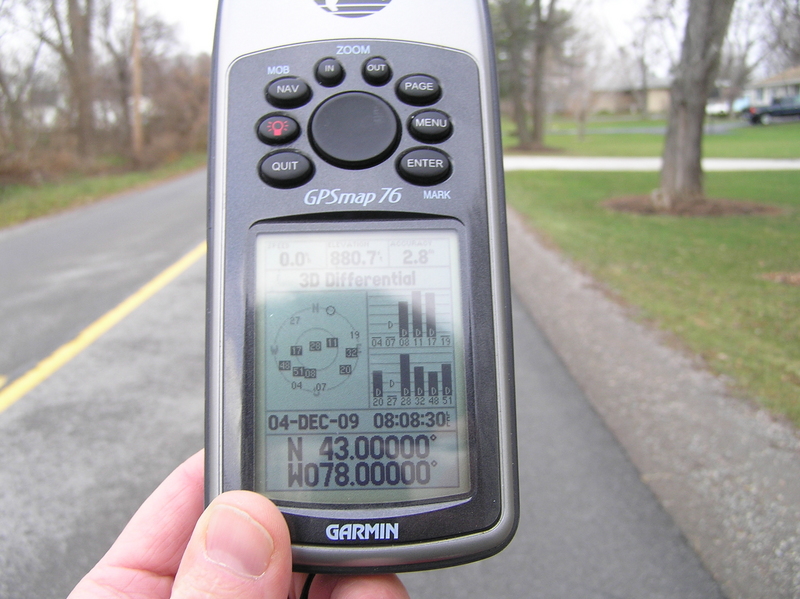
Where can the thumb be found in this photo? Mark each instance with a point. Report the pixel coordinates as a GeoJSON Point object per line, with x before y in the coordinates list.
{"type": "Point", "coordinates": [239, 549]}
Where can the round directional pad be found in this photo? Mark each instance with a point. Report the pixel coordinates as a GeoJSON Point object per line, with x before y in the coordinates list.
{"type": "Point", "coordinates": [354, 130]}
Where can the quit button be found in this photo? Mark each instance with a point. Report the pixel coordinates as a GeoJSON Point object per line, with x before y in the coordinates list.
{"type": "Point", "coordinates": [285, 169]}
{"type": "Point", "coordinates": [424, 166]}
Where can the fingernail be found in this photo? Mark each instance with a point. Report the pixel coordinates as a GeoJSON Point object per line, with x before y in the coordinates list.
{"type": "Point", "coordinates": [238, 542]}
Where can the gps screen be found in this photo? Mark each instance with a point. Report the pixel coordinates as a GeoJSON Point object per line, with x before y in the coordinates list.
{"type": "Point", "coordinates": [360, 384]}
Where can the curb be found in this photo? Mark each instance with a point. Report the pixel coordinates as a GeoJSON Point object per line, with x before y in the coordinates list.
{"type": "Point", "coordinates": [649, 164]}
{"type": "Point", "coordinates": [727, 472]}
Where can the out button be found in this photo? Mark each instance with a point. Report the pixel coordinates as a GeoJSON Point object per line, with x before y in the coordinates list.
{"type": "Point", "coordinates": [424, 166]}
{"type": "Point", "coordinates": [377, 71]}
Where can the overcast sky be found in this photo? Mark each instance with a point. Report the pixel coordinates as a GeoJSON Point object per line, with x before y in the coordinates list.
{"type": "Point", "coordinates": [195, 18]}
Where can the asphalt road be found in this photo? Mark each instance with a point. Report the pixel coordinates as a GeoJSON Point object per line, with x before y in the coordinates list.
{"type": "Point", "coordinates": [84, 448]}
{"type": "Point", "coordinates": [62, 272]}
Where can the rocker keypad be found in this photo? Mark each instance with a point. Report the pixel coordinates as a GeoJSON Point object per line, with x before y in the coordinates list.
{"type": "Point", "coordinates": [355, 129]}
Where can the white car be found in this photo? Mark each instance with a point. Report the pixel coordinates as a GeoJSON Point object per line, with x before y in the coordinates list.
{"type": "Point", "coordinates": [717, 108]}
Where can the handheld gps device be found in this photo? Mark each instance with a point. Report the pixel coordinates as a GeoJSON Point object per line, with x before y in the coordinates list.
{"type": "Point", "coordinates": [359, 361]}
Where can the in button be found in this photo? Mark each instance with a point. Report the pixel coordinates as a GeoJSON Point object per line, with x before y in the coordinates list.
{"type": "Point", "coordinates": [329, 72]}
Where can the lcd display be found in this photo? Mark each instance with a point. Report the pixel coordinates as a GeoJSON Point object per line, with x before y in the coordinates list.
{"type": "Point", "coordinates": [360, 377]}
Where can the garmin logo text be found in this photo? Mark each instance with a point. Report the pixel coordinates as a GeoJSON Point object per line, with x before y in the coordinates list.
{"type": "Point", "coordinates": [352, 8]}
{"type": "Point", "coordinates": [381, 531]}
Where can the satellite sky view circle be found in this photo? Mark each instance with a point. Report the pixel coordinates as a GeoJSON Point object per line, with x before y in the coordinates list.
{"type": "Point", "coordinates": [352, 8]}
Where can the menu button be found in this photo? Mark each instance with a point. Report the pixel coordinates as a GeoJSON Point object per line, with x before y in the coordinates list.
{"type": "Point", "coordinates": [430, 126]}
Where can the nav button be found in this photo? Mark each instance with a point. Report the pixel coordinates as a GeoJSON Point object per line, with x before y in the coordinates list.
{"type": "Point", "coordinates": [288, 92]}
{"type": "Point", "coordinates": [424, 166]}
{"type": "Point", "coordinates": [285, 169]}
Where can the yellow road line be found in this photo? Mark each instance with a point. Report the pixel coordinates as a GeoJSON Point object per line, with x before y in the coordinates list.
{"type": "Point", "coordinates": [3, 380]}
{"type": "Point", "coordinates": [19, 387]}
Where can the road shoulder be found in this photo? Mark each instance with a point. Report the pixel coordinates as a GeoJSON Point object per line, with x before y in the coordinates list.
{"type": "Point", "coordinates": [726, 471]}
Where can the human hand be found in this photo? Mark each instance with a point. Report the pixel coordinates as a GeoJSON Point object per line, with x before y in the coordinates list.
{"type": "Point", "coordinates": [237, 548]}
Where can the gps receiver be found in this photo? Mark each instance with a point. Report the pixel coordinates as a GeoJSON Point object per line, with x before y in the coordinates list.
{"type": "Point", "coordinates": [359, 356]}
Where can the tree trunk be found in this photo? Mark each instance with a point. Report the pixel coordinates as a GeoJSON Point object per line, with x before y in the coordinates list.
{"type": "Point", "coordinates": [538, 100]}
{"type": "Point", "coordinates": [16, 123]}
{"type": "Point", "coordinates": [541, 42]}
{"type": "Point", "coordinates": [644, 91]}
{"type": "Point", "coordinates": [516, 19]}
{"type": "Point", "coordinates": [137, 137]}
{"type": "Point", "coordinates": [682, 172]}
{"type": "Point", "coordinates": [81, 73]}
{"type": "Point", "coordinates": [517, 91]}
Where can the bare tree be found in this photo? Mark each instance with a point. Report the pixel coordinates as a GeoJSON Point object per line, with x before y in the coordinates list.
{"type": "Point", "coordinates": [785, 34]}
{"type": "Point", "coordinates": [178, 90]}
{"type": "Point", "coordinates": [51, 46]}
{"type": "Point", "coordinates": [16, 84]}
{"type": "Point", "coordinates": [545, 24]}
{"type": "Point", "coordinates": [115, 35]}
{"type": "Point", "coordinates": [744, 48]}
{"type": "Point", "coordinates": [584, 60]}
{"type": "Point", "coordinates": [640, 53]}
{"type": "Point", "coordinates": [652, 49]}
{"type": "Point", "coordinates": [513, 34]}
{"type": "Point", "coordinates": [681, 171]}
{"type": "Point", "coordinates": [529, 32]}
{"type": "Point", "coordinates": [18, 74]}
{"type": "Point", "coordinates": [66, 26]}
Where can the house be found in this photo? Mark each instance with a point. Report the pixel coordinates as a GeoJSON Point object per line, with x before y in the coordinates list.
{"type": "Point", "coordinates": [625, 100]}
{"type": "Point", "coordinates": [762, 93]}
{"type": "Point", "coordinates": [618, 93]}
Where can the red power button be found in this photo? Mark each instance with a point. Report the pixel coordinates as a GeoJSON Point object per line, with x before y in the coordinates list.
{"type": "Point", "coordinates": [278, 129]}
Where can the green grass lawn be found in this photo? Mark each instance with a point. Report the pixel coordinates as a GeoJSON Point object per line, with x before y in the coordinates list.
{"type": "Point", "coordinates": [775, 141]}
{"type": "Point", "coordinates": [699, 278]}
{"type": "Point", "coordinates": [599, 123]}
{"type": "Point", "coordinates": [19, 203]}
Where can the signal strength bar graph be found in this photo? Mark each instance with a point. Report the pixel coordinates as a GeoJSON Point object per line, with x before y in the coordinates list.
{"type": "Point", "coordinates": [422, 315]}
{"type": "Point", "coordinates": [427, 380]}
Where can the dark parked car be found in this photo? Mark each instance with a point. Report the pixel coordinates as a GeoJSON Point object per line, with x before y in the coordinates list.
{"type": "Point", "coordinates": [780, 108]}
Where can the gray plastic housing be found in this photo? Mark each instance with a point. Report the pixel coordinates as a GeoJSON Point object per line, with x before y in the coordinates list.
{"type": "Point", "coordinates": [446, 40]}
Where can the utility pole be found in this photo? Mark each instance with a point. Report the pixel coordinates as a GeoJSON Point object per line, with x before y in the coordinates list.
{"type": "Point", "coordinates": [137, 140]}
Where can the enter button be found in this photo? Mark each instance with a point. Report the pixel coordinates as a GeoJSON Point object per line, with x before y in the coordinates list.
{"type": "Point", "coordinates": [424, 166]}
